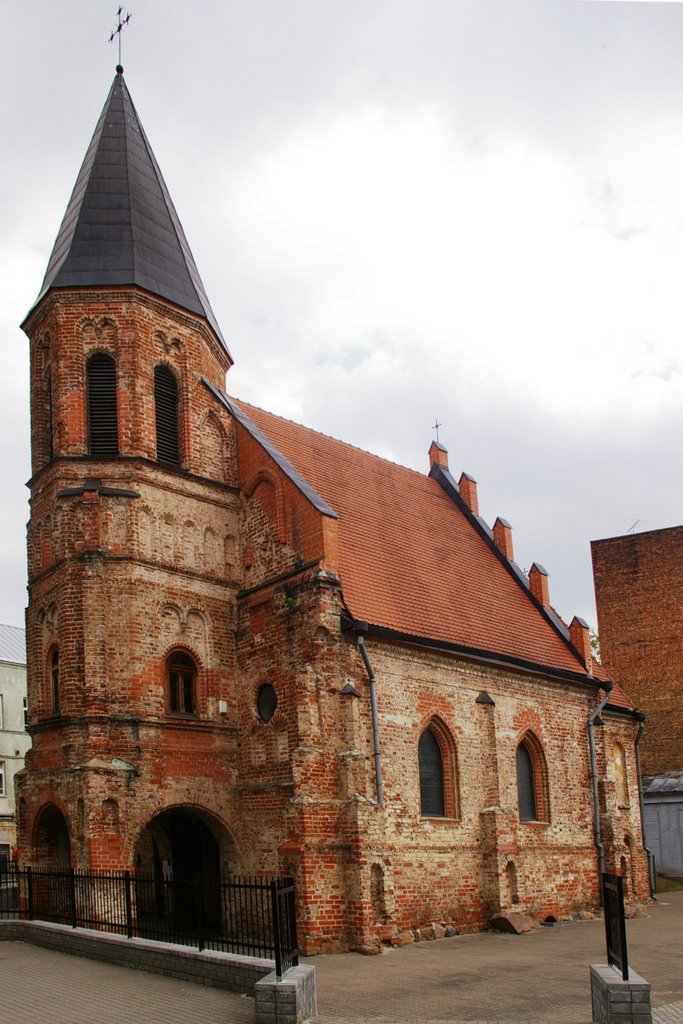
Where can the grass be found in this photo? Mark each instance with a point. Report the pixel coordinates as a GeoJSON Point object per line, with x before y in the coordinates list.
{"type": "Point", "coordinates": [665, 884]}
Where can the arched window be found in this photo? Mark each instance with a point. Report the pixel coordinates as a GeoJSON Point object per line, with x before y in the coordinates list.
{"type": "Point", "coordinates": [103, 431]}
{"type": "Point", "coordinates": [166, 411]}
{"type": "Point", "coordinates": [619, 765]}
{"type": "Point", "coordinates": [525, 784]}
{"type": "Point", "coordinates": [54, 682]}
{"type": "Point", "coordinates": [432, 803]}
{"type": "Point", "coordinates": [438, 764]}
{"type": "Point", "coordinates": [182, 678]}
{"type": "Point", "coordinates": [532, 781]}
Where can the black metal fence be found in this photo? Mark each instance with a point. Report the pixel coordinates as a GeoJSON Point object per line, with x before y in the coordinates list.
{"type": "Point", "coordinates": [254, 916]}
{"type": "Point", "coordinates": [615, 922]}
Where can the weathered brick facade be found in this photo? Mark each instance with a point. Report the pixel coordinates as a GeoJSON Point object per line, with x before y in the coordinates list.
{"type": "Point", "coordinates": [198, 696]}
{"type": "Point", "coordinates": [639, 595]}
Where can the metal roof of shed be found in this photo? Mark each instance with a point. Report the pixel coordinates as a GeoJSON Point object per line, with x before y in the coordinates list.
{"type": "Point", "coordinates": [665, 782]}
{"type": "Point", "coordinates": [13, 644]}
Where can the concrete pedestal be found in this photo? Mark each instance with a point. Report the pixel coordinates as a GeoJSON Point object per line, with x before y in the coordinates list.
{"type": "Point", "coordinates": [289, 1001]}
{"type": "Point", "coordinates": [616, 1001]}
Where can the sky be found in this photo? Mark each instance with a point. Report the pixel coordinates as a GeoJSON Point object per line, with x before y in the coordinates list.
{"type": "Point", "coordinates": [403, 212]}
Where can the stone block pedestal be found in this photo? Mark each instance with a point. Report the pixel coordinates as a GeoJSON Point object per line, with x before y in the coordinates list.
{"type": "Point", "coordinates": [289, 1001]}
{"type": "Point", "coordinates": [616, 1001]}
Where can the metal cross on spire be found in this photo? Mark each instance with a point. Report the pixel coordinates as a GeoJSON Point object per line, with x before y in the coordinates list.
{"type": "Point", "coordinates": [436, 428]}
{"type": "Point", "coordinates": [122, 22]}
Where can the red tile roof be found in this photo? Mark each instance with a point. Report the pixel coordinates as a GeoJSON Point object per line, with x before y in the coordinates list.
{"type": "Point", "coordinates": [410, 560]}
{"type": "Point", "coordinates": [619, 698]}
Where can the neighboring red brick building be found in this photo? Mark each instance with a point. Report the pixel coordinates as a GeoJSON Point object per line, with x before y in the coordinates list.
{"type": "Point", "coordinates": [639, 596]}
{"type": "Point", "coordinates": [254, 648]}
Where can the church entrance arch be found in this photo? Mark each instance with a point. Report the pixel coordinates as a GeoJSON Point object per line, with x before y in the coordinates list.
{"type": "Point", "coordinates": [183, 852]}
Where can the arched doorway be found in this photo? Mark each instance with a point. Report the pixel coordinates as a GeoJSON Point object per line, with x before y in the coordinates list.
{"type": "Point", "coordinates": [51, 856]}
{"type": "Point", "coordinates": [51, 843]}
{"type": "Point", "coordinates": [179, 859]}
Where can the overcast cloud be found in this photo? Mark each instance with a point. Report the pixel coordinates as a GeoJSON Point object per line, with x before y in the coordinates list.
{"type": "Point", "coordinates": [463, 209]}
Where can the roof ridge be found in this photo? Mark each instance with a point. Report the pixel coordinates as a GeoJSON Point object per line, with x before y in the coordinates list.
{"type": "Point", "coordinates": [330, 437]}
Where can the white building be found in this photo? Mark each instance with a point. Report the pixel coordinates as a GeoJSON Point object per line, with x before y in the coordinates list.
{"type": "Point", "coordinates": [14, 740]}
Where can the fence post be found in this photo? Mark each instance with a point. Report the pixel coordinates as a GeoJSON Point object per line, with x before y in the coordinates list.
{"type": "Point", "coordinates": [199, 910]}
{"type": "Point", "coordinates": [292, 938]}
{"type": "Point", "coordinates": [275, 912]}
{"type": "Point", "coordinates": [129, 906]}
{"type": "Point", "coordinates": [29, 891]}
{"type": "Point", "coordinates": [615, 922]}
{"type": "Point", "coordinates": [72, 893]}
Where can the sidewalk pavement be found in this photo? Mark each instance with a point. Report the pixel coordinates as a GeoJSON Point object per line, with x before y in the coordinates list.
{"type": "Point", "coordinates": [492, 976]}
{"type": "Point", "coordinates": [489, 977]}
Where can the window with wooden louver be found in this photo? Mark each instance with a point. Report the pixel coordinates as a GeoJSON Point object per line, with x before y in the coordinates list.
{"type": "Point", "coordinates": [103, 431]}
{"type": "Point", "coordinates": [166, 409]}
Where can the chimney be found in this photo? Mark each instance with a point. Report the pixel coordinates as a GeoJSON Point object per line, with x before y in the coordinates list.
{"type": "Point", "coordinates": [438, 455]}
{"type": "Point", "coordinates": [579, 635]}
{"type": "Point", "coordinates": [538, 584]}
{"type": "Point", "coordinates": [467, 486]}
{"type": "Point", "coordinates": [502, 537]}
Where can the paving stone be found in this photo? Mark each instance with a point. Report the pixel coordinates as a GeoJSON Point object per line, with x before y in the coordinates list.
{"type": "Point", "coordinates": [490, 978]}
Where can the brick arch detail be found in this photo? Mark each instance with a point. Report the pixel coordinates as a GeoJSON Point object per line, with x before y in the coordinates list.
{"type": "Point", "coordinates": [98, 334]}
{"type": "Point", "coordinates": [224, 833]}
{"type": "Point", "coordinates": [276, 509]}
{"type": "Point", "coordinates": [449, 761]}
{"type": "Point", "coordinates": [52, 649]}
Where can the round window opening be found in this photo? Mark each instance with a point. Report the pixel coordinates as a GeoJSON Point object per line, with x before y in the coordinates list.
{"type": "Point", "coordinates": [266, 702]}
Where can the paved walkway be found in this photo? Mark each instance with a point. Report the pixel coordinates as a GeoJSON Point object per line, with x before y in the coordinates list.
{"type": "Point", "coordinates": [541, 977]}
{"type": "Point", "coordinates": [490, 977]}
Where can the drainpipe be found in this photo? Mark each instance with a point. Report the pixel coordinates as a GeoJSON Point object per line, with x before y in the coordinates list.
{"type": "Point", "coordinates": [594, 781]}
{"type": "Point", "coordinates": [650, 859]}
{"type": "Point", "coordinates": [359, 628]}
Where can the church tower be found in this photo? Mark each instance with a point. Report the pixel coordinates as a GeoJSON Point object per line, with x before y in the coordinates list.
{"type": "Point", "coordinates": [133, 532]}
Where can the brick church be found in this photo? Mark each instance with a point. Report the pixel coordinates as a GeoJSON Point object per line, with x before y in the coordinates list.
{"type": "Point", "coordinates": [253, 648]}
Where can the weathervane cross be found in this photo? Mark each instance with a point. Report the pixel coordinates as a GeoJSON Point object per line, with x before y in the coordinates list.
{"type": "Point", "coordinates": [119, 29]}
{"type": "Point", "coordinates": [436, 428]}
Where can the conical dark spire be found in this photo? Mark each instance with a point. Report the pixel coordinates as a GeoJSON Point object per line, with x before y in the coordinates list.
{"type": "Point", "coordinates": [120, 227]}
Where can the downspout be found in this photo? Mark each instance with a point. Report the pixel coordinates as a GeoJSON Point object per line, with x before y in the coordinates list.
{"type": "Point", "coordinates": [650, 859]}
{"type": "Point", "coordinates": [594, 782]}
{"type": "Point", "coordinates": [359, 628]}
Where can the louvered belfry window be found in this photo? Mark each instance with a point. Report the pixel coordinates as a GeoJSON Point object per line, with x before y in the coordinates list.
{"type": "Point", "coordinates": [432, 804]}
{"type": "Point", "coordinates": [103, 431]}
{"type": "Point", "coordinates": [166, 405]}
{"type": "Point", "coordinates": [525, 785]}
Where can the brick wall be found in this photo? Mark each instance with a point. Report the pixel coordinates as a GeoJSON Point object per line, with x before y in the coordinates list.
{"type": "Point", "coordinates": [639, 594]}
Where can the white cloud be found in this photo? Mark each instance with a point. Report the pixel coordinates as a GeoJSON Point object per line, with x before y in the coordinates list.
{"type": "Point", "coordinates": [505, 267]}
